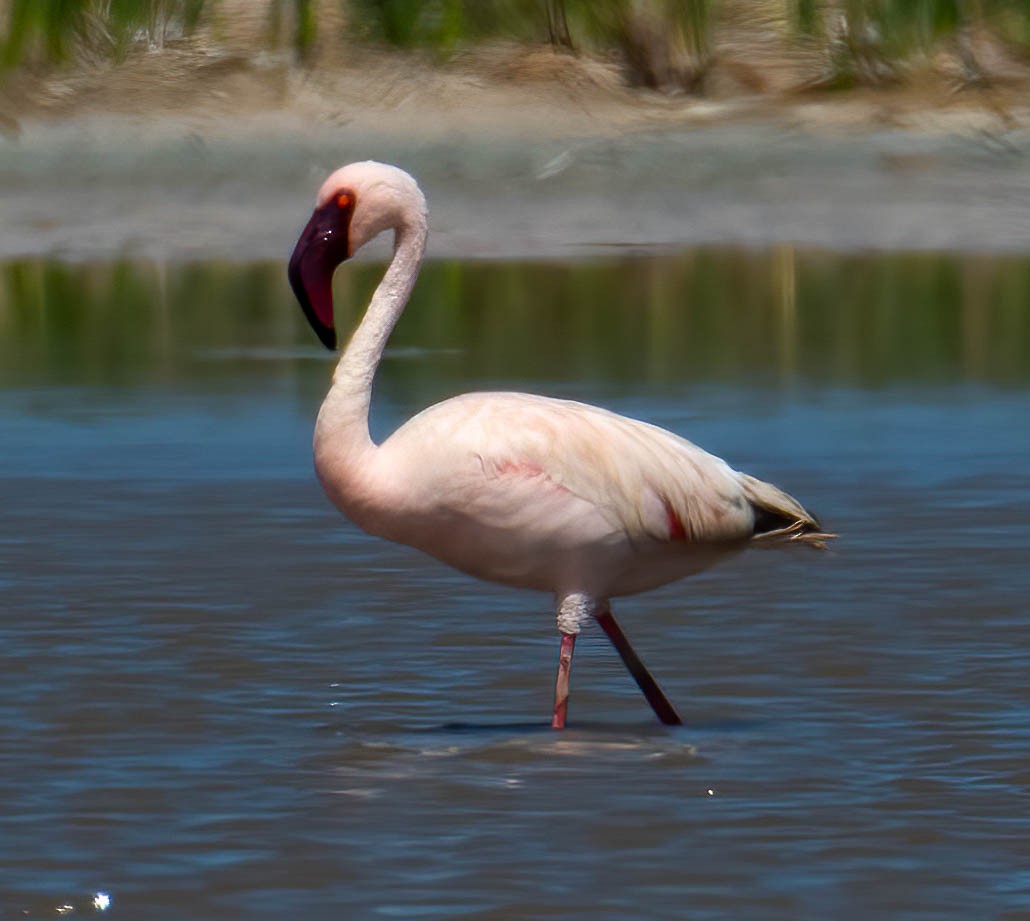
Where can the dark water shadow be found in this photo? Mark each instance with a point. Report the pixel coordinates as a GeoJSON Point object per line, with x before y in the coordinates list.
{"type": "Point", "coordinates": [543, 728]}
{"type": "Point", "coordinates": [646, 727]}
{"type": "Point", "coordinates": [461, 728]}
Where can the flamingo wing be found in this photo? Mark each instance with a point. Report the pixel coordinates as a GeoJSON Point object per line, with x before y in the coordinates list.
{"type": "Point", "coordinates": [645, 482]}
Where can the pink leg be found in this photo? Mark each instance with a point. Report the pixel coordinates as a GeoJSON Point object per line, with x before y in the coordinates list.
{"type": "Point", "coordinates": [561, 687]}
{"type": "Point", "coordinates": [664, 710]}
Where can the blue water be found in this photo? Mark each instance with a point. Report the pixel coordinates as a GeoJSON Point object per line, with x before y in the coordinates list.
{"type": "Point", "coordinates": [220, 700]}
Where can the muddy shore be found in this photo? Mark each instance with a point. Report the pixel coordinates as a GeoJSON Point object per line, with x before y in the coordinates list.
{"type": "Point", "coordinates": [160, 159]}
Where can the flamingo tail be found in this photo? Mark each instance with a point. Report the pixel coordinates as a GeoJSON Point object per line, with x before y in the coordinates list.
{"type": "Point", "coordinates": [780, 518]}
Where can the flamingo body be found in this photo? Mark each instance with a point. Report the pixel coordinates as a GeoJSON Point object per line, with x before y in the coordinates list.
{"type": "Point", "coordinates": [514, 488]}
{"type": "Point", "coordinates": [546, 494]}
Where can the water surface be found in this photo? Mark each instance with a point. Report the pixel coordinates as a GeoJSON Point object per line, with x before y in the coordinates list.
{"type": "Point", "coordinates": [222, 700]}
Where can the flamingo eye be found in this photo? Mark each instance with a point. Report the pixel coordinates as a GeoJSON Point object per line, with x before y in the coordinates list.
{"type": "Point", "coordinates": [343, 199]}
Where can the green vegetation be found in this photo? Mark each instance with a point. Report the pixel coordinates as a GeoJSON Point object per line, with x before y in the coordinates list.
{"type": "Point", "coordinates": [53, 29]}
{"type": "Point", "coordinates": [666, 44]}
{"type": "Point", "coordinates": [701, 316]}
{"type": "Point", "coordinates": [872, 41]}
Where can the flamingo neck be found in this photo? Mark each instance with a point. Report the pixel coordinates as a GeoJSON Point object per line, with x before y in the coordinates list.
{"type": "Point", "coordinates": [343, 418]}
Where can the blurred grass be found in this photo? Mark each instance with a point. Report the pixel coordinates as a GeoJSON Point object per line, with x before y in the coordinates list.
{"type": "Point", "coordinates": [704, 315]}
{"type": "Point", "coordinates": [665, 44]}
{"type": "Point", "coordinates": [53, 29]}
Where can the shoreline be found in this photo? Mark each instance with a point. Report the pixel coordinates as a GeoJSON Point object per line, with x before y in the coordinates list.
{"type": "Point", "coordinates": [536, 168]}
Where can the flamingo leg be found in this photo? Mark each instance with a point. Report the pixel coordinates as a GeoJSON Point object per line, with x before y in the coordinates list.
{"type": "Point", "coordinates": [561, 686]}
{"type": "Point", "coordinates": [663, 709]}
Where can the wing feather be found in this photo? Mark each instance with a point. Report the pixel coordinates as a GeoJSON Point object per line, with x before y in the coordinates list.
{"type": "Point", "coordinates": [646, 481]}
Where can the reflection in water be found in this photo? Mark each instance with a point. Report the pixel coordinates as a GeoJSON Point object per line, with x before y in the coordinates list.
{"type": "Point", "coordinates": [702, 315]}
{"type": "Point", "coordinates": [220, 700]}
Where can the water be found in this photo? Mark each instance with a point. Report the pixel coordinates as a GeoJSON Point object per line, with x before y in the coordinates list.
{"type": "Point", "coordinates": [221, 700]}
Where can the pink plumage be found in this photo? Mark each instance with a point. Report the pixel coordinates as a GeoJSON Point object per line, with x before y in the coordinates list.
{"type": "Point", "coordinates": [515, 488]}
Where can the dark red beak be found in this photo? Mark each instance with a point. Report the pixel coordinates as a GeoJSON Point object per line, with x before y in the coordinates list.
{"type": "Point", "coordinates": [322, 246]}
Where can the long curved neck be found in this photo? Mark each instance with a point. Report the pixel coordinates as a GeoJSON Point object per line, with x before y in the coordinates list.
{"type": "Point", "coordinates": [343, 418]}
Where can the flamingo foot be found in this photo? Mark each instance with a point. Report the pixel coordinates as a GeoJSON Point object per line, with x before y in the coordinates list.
{"type": "Point", "coordinates": [561, 687]}
{"type": "Point", "coordinates": [663, 709]}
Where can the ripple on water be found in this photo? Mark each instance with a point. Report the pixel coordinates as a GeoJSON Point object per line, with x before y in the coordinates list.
{"type": "Point", "coordinates": [222, 701]}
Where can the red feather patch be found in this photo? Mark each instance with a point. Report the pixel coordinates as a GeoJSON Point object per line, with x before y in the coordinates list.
{"type": "Point", "coordinates": [676, 529]}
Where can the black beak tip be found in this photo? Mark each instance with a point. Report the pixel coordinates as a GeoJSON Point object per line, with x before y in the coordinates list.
{"type": "Point", "coordinates": [327, 336]}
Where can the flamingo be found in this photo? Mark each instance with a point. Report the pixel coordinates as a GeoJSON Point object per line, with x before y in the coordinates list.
{"type": "Point", "coordinates": [524, 490]}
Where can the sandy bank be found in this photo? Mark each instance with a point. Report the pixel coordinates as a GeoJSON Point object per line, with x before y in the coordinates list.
{"type": "Point", "coordinates": [166, 161]}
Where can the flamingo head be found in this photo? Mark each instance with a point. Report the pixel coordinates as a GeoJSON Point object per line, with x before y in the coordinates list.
{"type": "Point", "coordinates": [355, 204]}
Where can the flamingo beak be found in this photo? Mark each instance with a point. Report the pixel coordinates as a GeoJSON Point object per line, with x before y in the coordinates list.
{"type": "Point", "coordinates": [322, 246]}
